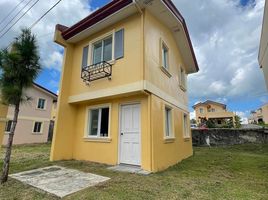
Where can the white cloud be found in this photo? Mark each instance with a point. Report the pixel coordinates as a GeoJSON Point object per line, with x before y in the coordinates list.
{"type": "Point", "coordinates": [243, 115]}
{"type": "Point", "coordinates": [226, 41]}
{"type": "Point", "coordinates": [66, 13]}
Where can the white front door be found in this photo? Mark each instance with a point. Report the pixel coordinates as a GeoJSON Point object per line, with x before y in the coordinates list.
{"type": "Point", "coordinates": [130, 147]}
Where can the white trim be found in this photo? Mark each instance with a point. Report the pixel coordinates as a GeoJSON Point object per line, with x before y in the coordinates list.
{"type": "Point", "coordinates": [163, 95]}
{"type": "Point", "coordinates": [41, 129]}
{"type": "Point", "coordinates": [138, 86]}
{"type": "Point", "coordinates": [171, 135]}
{"type": "Point", "coordinates": [30, 118]}
{"type": "Point", "coordinates": [122, 89]}
{"type": "Point", "coordinates": [87, 125]}
{"type": "Point", "coordinates": [186, 127]}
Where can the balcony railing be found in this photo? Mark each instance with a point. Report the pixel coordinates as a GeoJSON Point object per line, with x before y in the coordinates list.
{"type": "Point", "coordinates": [96, 71]}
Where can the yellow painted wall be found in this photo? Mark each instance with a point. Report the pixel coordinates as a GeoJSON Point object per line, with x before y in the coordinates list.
{"type": "Point", "coordinates": [168, 152]}
{"type": "Point", "coordinates": [154, 30]}
{"type": "Point", "coordinates": [3, 115]}
{"type": "Point", "coordinates": [140, 62]}
{"type": "Point", "coordinates": [126, 70]}
{"type": "Point", "coordinates": [106, 151]}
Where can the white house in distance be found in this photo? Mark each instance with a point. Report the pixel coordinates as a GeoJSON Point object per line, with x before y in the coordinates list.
{"type": "Point", "coordinates": [35, 117]}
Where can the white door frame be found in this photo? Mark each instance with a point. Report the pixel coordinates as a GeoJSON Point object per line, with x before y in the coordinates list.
{"type": "Point", "coordinates": [119, 129]}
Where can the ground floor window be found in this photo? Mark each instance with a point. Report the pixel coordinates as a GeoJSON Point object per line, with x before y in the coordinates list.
{"type": "Point", "coordinates": [99, 122]}
{"type": "Point", "coordinates": [186, 130]}
{"type": "Point", "coordinates": [168, 122]}
{"type": "Point", "coordinates": [37, 127]}
{"type": "Point", "coordinates": [8, 126]}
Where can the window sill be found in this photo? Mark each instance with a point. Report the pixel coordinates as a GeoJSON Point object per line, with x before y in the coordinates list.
{"type": "Point", "coordinates": [40, 109]}
{"type": "Point", "coordinates": [165, 71]}
{"type": "Point", "coordinates": [183, 88]}
{"type": "Point", "coordinates": [187, 139]}
{"type": "Point", "coordinates": [6, 133]}
{"type": "Point", "coordinates": [97, 139]}
{"type": "Point", "coordinates": [37, 133]}
{"type": "Point", "coordinates": [169, 140]}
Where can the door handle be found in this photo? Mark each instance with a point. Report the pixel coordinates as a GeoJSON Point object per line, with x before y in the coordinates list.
{"type": "Point", "coordinates": [122, 133]}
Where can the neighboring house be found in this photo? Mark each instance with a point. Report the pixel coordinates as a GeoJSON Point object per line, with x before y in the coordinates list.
{"type": "Point", "coordinates": [259, 116]}
{"type": "Point", "coordinates": [263, 51]}
{"type": "Point", "coordinates": [123, 96]}
{"type": "Point", "coordinates": [212, 110]}
{"type": "Point", "coordinates": [34, 117]}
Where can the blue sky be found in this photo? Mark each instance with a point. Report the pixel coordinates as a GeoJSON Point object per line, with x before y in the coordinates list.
{"type": "Point", "coordinates": [225, 35]}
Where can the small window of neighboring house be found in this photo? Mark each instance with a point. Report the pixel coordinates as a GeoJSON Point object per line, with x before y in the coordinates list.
{"type": "Point", "coordinates": [213, 110]}
{"type": "Point", "coordinates": [201, 110]}
{"type": "Point", "coordinates": [41, 104]}
{"type": "Point", "coordinates": [165, 56]}
{"type": "Point", "coordinates": [37, 127]}
{"type": "Point", "coordinates": [98, 122]}
{"type": "Point", "coordinates": [8, 126]}
{"type": "Point", "coordinates": [182, 79]}
{"type": "Point", "coordinates": [107, 48]}
{"type": "Point", "coordinates": [168, 122]}
{"type": "Point", "coordinates": [186, 130]}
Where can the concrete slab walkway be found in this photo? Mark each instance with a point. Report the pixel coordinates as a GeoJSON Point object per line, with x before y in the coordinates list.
{"type": "Point", "coordinates": [59, 181]}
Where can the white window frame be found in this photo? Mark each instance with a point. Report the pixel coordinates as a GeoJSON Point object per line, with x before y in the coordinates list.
{"type": "Point", "coordinates": [98, 39]}
{"type": "Point", "coordinates": [164, 48]}
{"type": "Point", "coordinates": [45, 104]}
{"type": "Point", "coordinates": [186, 127]}
{"type": "Point", "coordinates": [183, 83]}
{"type": "Point", "coordinates": [202, 110]}
{"type": "Point", "coordinates": [165, 69]}
{"type": "Point", "coordinates": [41, 128]}
{"type": "Point", "coordinates": [170, 123]}
{"type": "Point", "coordinates": [88, 120]}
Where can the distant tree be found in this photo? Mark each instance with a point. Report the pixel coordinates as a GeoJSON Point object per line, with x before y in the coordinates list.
{"type": "Point", "coordinates": [237, 121]}
{"type": "Point", "coordinates": [193, 121]}
{"type": "Point", "coordinates": [19, 67]}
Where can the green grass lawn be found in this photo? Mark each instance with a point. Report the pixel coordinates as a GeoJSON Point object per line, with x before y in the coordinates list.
{"type": "Point", "coordinates": [238, 172]}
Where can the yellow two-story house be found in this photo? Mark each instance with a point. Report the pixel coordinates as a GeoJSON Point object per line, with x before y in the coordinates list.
{"type": "Point", "coordinates": [123, 93]}
{"type": "Point", "coordinates": [214, 111]}
{"type": "Point", "coordinates": [3, 114]}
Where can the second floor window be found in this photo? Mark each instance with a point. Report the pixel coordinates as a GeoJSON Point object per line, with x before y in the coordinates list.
{"type": "Point", "coordinates": [201, 110]}
{"type": "Point", "coordinates": [41, 103]}
{"type": "Point", "coordinates": [102, 50]}
{"type": "Point", "coordinates": [182, 79]}
{"type": "Point", "coordinates": [164, 56]}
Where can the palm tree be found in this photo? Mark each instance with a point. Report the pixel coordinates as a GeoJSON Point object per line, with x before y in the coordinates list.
{"type": "Point", "coordinates": [19, 67]}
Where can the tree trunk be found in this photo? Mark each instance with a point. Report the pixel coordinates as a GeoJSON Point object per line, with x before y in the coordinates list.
{"type": "Point", "coordinates": [9, 146]}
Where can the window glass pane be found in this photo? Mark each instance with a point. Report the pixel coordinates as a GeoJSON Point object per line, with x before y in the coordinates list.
{"type": "Point", "coordinates": [104, 122]}
{"type": "Point", "coordinates": [107, 49]}
{"type": "Point", "coordinates": [94, 122]}
{"type": "Point", "coordinates": [97, 52]}
{"type": "Point", "coordinates": [167, 121]}
{"type": "Point", "coordinates": [8, 126]}
{"type": "Point", "coordinates": [165, 57]}
{"type": "Point", "coordinates": [41, 103]}
{"type": "Point", "coordinates": [37, 127]}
